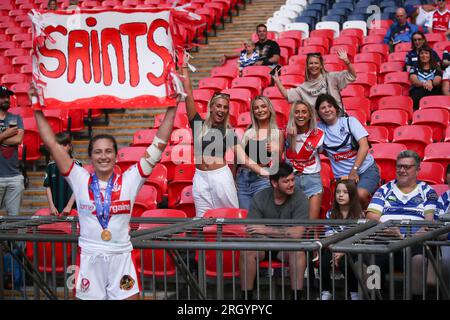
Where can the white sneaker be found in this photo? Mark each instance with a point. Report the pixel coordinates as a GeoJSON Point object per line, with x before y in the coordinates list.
{"type": "Point", "coordinates": [326, 295]}
{"type": "Point", "coordinates": [354, 296]}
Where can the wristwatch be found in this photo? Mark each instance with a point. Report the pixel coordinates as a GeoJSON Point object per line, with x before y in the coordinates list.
{"type": "Point", "coordinates": [355, 168]}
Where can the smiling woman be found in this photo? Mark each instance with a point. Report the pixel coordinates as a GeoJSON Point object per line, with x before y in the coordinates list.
{"type": "Point", "coordinates": [213, 183]}
{"type": "Point", "coordinates": [104, 203]}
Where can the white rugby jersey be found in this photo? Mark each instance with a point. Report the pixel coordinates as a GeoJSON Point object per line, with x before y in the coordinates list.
{"type": "Point", "coordinates": [393, 204]}
{"type": "Point", "coordinates": [125, 189]}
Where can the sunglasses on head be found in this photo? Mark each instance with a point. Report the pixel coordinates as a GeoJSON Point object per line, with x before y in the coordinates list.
{"type": "Point", "coordinates": [315, 54]}
{"type": "Point", "coordinates": [221, 94]}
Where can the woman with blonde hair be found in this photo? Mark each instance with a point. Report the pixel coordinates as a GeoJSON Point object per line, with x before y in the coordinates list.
{"type": "Point", "coordinates": [213, 183]}
{"type": "Point", "coordinates": [263, 143]}
{"type": "Point", "coordinates": [319, 81]}
{"type": "Point", "coordinates": [304, 140]}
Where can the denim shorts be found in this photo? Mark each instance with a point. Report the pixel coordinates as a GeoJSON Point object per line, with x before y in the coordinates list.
{"type": "Point", "coordinates": [369, 179]}
{"type": "Point", "coordinates": [248, 184]}
{"type": "Point", "coordinates": [310, 184]}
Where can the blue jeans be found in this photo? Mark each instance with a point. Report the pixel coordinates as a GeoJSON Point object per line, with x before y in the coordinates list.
{"type": "Point", "coordinates": [248, 184]}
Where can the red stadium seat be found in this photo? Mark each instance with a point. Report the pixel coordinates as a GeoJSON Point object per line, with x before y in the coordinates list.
{"type": "Point", "coordinates": [128, 156]}
{"type": "Point", "coordinates": [203, 96]}
{"type": "Point", "coordinates": [216, 84]}
{"type": "Point", "coordinates": [380, 48]}
{"type": "Point", "coordinates": [181, 121]}
{"type": "Point", "coordinates": [352, 32]}
{"type": "Point", "coordinates": [261, 72]}
{"type": "Point", "coordinates": [158, 179]}
{"type": "Point", "coordinates": [384, 90]}
{"type": "Point", "coordinates": [23, 112]}
{"type": "Point", "coordinates": [311, 49]}
{"type": "Point", "coordinates": [57, 119]}
{"type": "Point", "coordinates": [447, 134]}
{"type": "Point", "coordinates": [111, 3]}
{"type": "Point", "coordinates": [414, 137]}
{"type": "Point", "coordinates": [369, 57]}
{"type": "Point", "coordinates": [403, 47]}
{"type": "Point", "coordinates": [353, 91]}
{"type": "Point", "coordinates": [293, 69]}
{"type": "Point", "coordinates": [380, 24]}
{"type": "Point", "coordinates": [291, 80]}
{"type": "Point", "coordinates": [240, 95]}
{"type": "Point", "coordinates": [273, 93]}
{"type": "Point", "coordinates": [333, 58]}
{"type": "Point", "coordinates": [156, 262]}
{"type": "Point", "coordinates": [13, 78]}
{"type": "Point", "coordinates": [289, 44]}
{"type": "Point", "coordinates": [175, 155]}
{"type": "Point", "coordinates": [366, 67]}
{"type": "Point", "coordinates": [441, 45]}
{"type": "Point", "coordinates": [284, 56]}
{"type": "Point", "coordinates": [385, 155]}
{"type": "Point", "coordinates": [437, 119]}
{"type": "Point", "coordinates": [397, 56]}
{"type": "Point", "coordinates": [372, 39]}
{"type": "Point", "coordinates": [397, 102]}
{"type": "Point", "coordinates": [183, 176]}
{"type": "Point", "coordinates": [357, 103]}
{"type": "Point", "coordinates": [21, 94]}
{"type": "Point", "coordinates": [434, 37]}
{"type": "Point", "coordinates": [367, 80]}
{"type": "Point", "coordinates": [253, 84]}
{"type": "Point", "coordinates": [31, 139]}
{"type": "Point", "coordinates": [347, 40]}
{"type": "Point", "coordinates": [431, 173]}
{"type": "Point", "coordinates": [438, 152]}
{"type": "Point", "coordinates": [401, 78]}
{"type": "Point", "coordinates": [186, 202]}
{"type": "Point", "coordinates": [244, 120]}
{"type": "Point", "coordinates": [145, 200]}
{"type": "Point", "coordinates": [143, 138]}
{"type": "Point", "coordinates": [226, 213]}
{"type": "Point", "coordinates": [390, 119]}
{"type": "Point", "coordinates": [317, 41]}
{"type": "Point", "coordinates": [228, 72]}
{"type": "Point", "coordinates": [392, 66]}
{"type": "Point", "coordinates": [296, 35]}
{"type": "Point", "coordinates": [360, 115]}
{"type": "Point", "coordinates": [323, 33]}
{"type": "Point", "coordinates": [378, 134]}
{"type": "Point", "coordinates": [435, 102]}
{"type": "Point", "coordinates": [76, 118]}
{"type": "Point", "coordinates": [333, 67]}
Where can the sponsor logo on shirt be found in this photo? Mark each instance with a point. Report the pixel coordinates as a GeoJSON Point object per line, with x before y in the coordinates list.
{"type": "Point", "coordinates": [87, 207]}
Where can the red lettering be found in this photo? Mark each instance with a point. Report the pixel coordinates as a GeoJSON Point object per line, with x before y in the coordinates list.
{"type": "Point", "coordinates": [161, 51]}
{"type": "Point", "coordinates": [78, 49]}
{"type": "Point", "coordinates": [96, 67]}
{"type": "Point", "coordinates": [54, 53]}
{"type": "Point", "coordinates": [133, 30]}
{"type": "Point", "coordinates": [112, 37]}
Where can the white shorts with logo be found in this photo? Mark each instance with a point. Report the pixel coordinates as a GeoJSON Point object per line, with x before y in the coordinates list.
{"type": "Point", "coordinates": [106, 277]}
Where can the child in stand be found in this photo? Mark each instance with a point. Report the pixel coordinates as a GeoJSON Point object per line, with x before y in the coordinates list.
{"type": "Point", "coordinates": [346, 205]}
{"type": "Point", "coordinates": [59, 193]}
{"type": "Point", "coordinates": [248, 56]}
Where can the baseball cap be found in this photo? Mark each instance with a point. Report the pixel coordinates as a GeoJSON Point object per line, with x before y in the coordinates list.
{"type": "Point", "coordinates": [4, 91]}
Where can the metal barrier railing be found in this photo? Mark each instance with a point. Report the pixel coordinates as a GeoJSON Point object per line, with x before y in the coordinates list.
{"type": "Point", "coordinates": [389, 239]}
{"type": "Point", "coordinates": [192, 258]}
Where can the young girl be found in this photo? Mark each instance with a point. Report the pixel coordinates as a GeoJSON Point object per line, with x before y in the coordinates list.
{"type": "Point", "coordinates": [59, 193]}
{"type": "Point", "coordinates": [304, 140]}
{"type": "Point", "coordinates": [346, 206]}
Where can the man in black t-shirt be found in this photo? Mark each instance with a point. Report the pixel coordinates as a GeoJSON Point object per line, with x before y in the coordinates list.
{"type": "Point", "coordinates": [268, 50]}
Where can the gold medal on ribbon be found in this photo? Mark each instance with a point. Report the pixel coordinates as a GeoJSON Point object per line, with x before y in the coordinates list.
{"type": "Point", "coordinates": [106, 235]}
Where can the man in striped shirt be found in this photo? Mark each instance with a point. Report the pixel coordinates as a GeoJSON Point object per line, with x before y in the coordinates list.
{"type": "Point", "coordinates": [404, 198]}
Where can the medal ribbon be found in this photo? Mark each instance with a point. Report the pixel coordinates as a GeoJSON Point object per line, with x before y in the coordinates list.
{"type": "Point", "coordinates": [102, 207]}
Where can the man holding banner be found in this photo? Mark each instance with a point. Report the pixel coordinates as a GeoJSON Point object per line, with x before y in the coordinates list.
{"type": "Point", "coordinates": [113, 59]}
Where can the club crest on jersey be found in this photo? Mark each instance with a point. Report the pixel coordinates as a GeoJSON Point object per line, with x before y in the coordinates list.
{"type": "Point", "coordinates": [85, 283]}
{"type": "Point", "coordinates": [127, 283]}
{"type": "Point", "coordinates": [309, 146]}
{"type": "Point", "coordinates": [116, 187]}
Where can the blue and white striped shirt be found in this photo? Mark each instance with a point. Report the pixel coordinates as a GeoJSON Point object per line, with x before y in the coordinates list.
{"type": "Point", "coordinates": [245, 61]}
{"type": "Point", "coordinates": [392, 204]}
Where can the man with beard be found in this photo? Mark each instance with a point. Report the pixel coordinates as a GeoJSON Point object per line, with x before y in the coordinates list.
{"type": "Point", "coordinates": [11, 135]}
